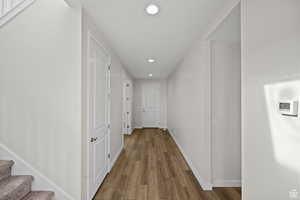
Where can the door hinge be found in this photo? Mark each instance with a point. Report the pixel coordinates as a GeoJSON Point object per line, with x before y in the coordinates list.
{"type": "Point", "coordinates": [108, 155]}
{"type": "Point", "coordinates": [108, 126]}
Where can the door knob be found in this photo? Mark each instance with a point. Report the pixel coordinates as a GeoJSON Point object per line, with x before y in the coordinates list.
{"type": "Point", "coordinates": [94, 139]}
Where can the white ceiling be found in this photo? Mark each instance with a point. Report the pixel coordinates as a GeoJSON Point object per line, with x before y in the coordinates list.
{"type": "Point", "coordinates": [136, 36]}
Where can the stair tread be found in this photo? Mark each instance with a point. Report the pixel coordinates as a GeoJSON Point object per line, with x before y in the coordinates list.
{"type": "Point", "coordinates": [39, 195]}
{"type": "Point", "coordinates": [15, 187]}
{"type": "Point", "coordinates": [6, 163]}
{"type": "Point", "coordinates": [5, 168]}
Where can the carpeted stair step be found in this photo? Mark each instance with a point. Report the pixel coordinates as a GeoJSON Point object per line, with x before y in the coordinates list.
{"type": "Point", "coordinates": [15, 187]}
{"type": "Point", "coordinates": [39, 195]}
{"type": "Point", "coordinates": [5, 168]}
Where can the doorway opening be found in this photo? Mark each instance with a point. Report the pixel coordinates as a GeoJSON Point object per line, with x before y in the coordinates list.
{"type": "Point", "coordinates": [150, 104]}
{"type": "Point", "coordinates": [225, 58]}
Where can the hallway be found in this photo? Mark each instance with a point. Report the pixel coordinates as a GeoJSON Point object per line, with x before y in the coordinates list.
{"type": "Point", "coordinates": [152, 168]}
{"type": "Point", "coordinates": [149, 100]}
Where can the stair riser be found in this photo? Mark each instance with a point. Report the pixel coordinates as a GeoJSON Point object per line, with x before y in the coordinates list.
{"type": "Point", "coordinates": [5, 172]}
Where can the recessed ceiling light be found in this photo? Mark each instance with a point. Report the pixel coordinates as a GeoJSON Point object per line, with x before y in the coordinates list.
{"type": "Point", "coordinates": [152, 9]}
{"type": "Point", "coordinates": [151, 60]}
{"type": "Point", "coordinates": [150, 75]}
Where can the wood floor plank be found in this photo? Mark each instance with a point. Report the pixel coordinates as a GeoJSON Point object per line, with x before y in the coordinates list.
{"type": "Point", "coordinates": [151, 167]}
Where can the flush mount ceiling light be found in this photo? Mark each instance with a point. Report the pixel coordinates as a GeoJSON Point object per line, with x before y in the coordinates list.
{"type": "Point", "coordinates": [152, 9]}
{"type": "Point", "coordinates": [151, 60]}
{"type": "Point", "coordinates": [150, 75]}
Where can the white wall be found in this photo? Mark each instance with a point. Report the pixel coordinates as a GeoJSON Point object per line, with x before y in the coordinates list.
{"type": "Point", "coordinates": [118, 75]}
{"type": "Point", "coordinates": [271, 71]}
{"type": "Point", "coordinates": [116, 106]}
{"type": "Point", "coordinates": [40, 78]}
{"type": "Point", "coordinates": [138, 102]}
{"type": "Point", "coordinates": [189, 110]}
{"type": "Point", "coordinates": [189, 102]}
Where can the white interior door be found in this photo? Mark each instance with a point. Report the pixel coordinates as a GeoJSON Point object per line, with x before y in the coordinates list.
{"type": "Point", "coordinates": [127, 107]}
{"type": "Point", "coordinates": [99, 89]}
{"type": "Point", "coordinates": [151, 105]}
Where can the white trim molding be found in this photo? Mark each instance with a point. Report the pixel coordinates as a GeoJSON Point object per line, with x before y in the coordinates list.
{"type": "Point", "coordinates": [204, 185]}
{"type": "Point", "coordinates": [114, 160]}
{"type": "Point", "coordinates": [227, 183]}
{"type": "Point", "coordinates": [137, 127]}
{"type": "Point", "coordinates": [41, 182]}
{"type": "Point", "coordinates": [11, 8]}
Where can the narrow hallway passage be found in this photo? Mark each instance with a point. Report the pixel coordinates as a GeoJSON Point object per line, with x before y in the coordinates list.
{"type": "Point", "coordinates": [152, 168]}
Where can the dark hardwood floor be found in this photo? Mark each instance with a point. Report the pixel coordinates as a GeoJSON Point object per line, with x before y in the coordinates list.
{"type": "Point", "coordinates": [151, 167]}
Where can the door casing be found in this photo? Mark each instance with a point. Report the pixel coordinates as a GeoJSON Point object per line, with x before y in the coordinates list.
{"type": "Point", "coordinates": [127, 107]}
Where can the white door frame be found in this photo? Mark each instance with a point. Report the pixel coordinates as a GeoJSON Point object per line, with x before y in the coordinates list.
{"type": "Point", "coordinates": [125, 121]}
{"type": "Point", "coordinates": [89, 37]}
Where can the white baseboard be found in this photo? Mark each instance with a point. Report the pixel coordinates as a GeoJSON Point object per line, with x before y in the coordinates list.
{"type": "Point", "coordinates": [138, 127]}
{"type": "Point", "coordinates": [164, 128]}
{"type": "Point", "coordinates": [41, 182]}
{"type": "Point", "coordinates": [161, 127]}
{"type": "Point", "coordinates": [204, 185]}
{"type": "Point", "coordinates": [227, 183]}
{"type": "Point", "coordinates": [114, 160]}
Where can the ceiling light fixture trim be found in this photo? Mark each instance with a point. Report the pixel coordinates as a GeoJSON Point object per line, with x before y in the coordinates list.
{"type": "Point", "coordinates": [151, 60]}
{"type": "Point", "coordinates": [152, 9]}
